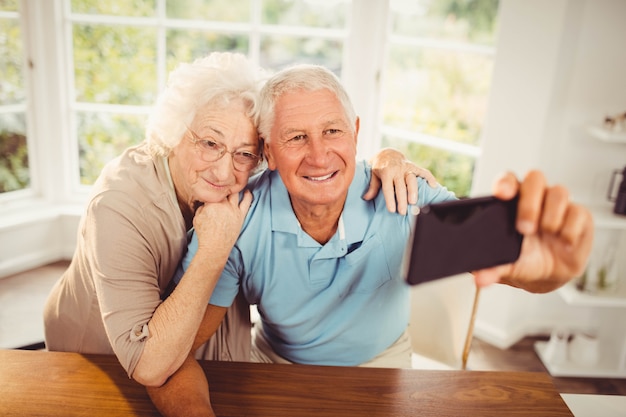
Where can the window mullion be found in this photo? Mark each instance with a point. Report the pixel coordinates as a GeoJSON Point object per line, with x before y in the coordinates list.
{"type": "Point", "coordinates": [47, 113]}
{"type": "Point", "coordinates": [363, 60]}
{"type": "Point", "coordinates": [161, 45]}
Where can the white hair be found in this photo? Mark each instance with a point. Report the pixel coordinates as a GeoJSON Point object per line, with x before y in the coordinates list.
{"type": "Point", "coordinates": [299, 77]}
{"type": "Point", "coordinates": [217, 79]}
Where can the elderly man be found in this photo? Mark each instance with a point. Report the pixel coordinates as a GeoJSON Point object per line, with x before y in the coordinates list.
{"type": "Point", "coordinates": [323, 265]}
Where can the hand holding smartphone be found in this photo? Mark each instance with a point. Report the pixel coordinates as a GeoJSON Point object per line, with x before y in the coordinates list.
{"type": "Point", "coordinates": [462, 236]}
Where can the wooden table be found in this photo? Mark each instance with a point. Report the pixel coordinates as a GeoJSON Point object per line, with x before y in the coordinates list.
{"type": "Point", "coordinates": [38, 383]}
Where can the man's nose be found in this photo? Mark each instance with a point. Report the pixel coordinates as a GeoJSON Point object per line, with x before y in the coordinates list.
{"type": "Point", "coordinates": [317, 149]}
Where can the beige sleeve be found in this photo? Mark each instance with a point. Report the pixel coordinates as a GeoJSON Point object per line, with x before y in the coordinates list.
{"type": "Point", "coordinates": [125, 269]}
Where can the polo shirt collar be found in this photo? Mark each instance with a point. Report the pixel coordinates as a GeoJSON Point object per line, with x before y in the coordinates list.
{"type": "Point", "coordinates": [356, 223]}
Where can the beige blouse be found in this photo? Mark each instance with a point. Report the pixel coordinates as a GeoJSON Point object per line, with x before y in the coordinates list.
{"type": "Point", "coordinates": [129, 243]}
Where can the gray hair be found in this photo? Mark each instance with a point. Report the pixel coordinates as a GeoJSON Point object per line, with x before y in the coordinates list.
{"type": "Point", "coordinates": [219, 79]}
{"type": "Point", "coordinates": [299, 77]}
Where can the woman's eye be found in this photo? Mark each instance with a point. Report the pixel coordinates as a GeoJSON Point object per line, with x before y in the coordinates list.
{"type": "Point", "coordinates": [247, 155]}
{"type": "Point", "coordinates": [208, 144]}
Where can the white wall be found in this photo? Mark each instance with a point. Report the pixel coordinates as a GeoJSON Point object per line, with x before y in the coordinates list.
{"type": "Point", "coordinates": [37, 236]}
{"type": "Point", "coordinates": [560, 65]}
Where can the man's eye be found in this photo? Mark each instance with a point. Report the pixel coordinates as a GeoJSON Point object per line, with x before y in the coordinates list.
{"type": "Point", "coordinates": [333, 133]}
{"type": "Point", "coordinates": [297, 138]}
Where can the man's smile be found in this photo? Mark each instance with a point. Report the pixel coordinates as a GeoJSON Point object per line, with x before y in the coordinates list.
{"type": "Point", "coordinates": [321, 178]}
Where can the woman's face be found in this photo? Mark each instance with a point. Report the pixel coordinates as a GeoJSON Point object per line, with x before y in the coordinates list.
{"type": "Point", "coordinates": [196, 176]}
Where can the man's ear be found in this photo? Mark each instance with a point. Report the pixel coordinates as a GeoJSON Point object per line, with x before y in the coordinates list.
{"type": "Point", "coordinates": [357, 125]}
{"type": "Point", "coordinates": [268, 156]}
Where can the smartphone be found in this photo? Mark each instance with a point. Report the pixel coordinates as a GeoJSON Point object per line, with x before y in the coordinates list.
{"type": "Point", "coordinates": [462, 236]}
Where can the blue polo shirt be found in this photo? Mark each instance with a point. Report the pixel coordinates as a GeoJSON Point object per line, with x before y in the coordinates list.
{"type": "Point", "coordinates": [341, 303]}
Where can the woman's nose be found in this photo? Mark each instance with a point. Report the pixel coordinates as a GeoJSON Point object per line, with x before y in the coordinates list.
{"type": "Point", "coordinates": [224, 168]}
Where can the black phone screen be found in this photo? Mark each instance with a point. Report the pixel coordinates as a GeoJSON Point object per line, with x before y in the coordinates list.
{"type": "Point", "coordinates": [461, 236]}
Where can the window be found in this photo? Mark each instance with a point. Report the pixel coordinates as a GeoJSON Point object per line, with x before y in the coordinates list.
{"type": "Point", "coordinates": [14, 163]}
{"type": "Point", "coordinates": [436, 84]}
{"type": "Point", "coordinates": [121, 53]}
{"type": "Point", "coordinates": [430, 63]}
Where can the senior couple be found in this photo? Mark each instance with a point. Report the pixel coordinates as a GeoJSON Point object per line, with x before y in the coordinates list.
{"type": "Point", "coordinates": [321, 262]}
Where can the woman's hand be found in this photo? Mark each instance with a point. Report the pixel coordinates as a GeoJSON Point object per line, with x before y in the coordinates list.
{"type": "Point", "coordinates": [398, 177]}
{"type": "Point", "coordinates": [218, 224]}
{"type": "Point", "coordinates": [558, 236]}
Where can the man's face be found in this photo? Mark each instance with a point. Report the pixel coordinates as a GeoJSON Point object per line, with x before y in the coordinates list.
{"type": "Point", "coordinates": [313, 147]}
{"type": "Point", "coordinates": [198, 179]}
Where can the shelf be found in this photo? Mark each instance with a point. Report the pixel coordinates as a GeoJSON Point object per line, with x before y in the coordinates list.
{"type": "Point", "coordinates": [606, 135]}
{"type": "Point", "coordinates": [607, 367]}
{"type": "Point", "coordinates": [574, 297]}
{"type": "Point", "coordinates": [604, 217]}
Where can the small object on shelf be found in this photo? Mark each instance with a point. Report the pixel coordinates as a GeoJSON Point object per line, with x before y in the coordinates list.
{"type": "Point", "coordinates": [620, 198]}
{"type": "Point", "coordinates": [612, 129]}
{"type": "Point", "coordinates": [556, 349]}
{"type": "Point", "coordinates": [616, 123]}
{"type": "Point", "coordinates": [584, 349]}
{"type": "Point", "coordinates": [601, 275]}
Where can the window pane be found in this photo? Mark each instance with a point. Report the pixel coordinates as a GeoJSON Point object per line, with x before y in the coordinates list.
{"type": "Point", "coordinates": [451, 169]}
{"type": "Point", "coordinates": [438, 92]}
{"type": "Point", "coordinates": [115, 7]}
{"type": "Point", "coordinates": [187, 45]}
{"type": "Point", "coordinates": [436, 82]}
{"type": "Point", "coordinates": [12, 79]}
{"type": "Point", "coordinates": [115, 64]}
{"type": "Point", "coordinates": [14, 163]}
{"type": "Point", "coordinates": [9, 5]}
{"type": "Point", "coordinates": [214, 10]}
{"type": "Point", "coordinates": [280, 51]}
{"type": "Point", "coordinates": [14, 172]}
{"type": "Point", "coordinates": [102, 137]}
{"type": "Point", "coordinates": [320, 13]}
{"type": "Point", "coordinates": [121, 64]}
{"type": "Point", "coordinates": [454, 20]}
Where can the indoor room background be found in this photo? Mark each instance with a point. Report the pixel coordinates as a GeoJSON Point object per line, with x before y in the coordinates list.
{"type": "Point", "coordinates": [467, 89]}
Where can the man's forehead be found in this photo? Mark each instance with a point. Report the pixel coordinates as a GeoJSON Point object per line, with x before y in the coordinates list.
{"type": "Point", "coordinates": [295, 111]}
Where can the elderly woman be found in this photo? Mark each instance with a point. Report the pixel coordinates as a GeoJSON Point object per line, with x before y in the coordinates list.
{"type": "Point", "coordinates": [201, 146]}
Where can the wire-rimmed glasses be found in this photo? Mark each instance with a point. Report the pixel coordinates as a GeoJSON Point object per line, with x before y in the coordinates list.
{"type": "Point", "coordinates": [211, 151]}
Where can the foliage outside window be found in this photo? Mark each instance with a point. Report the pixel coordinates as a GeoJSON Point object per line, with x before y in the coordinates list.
{"type": "Point", "coordinates": [435, 78]}
{"type": "Point", "coordinates": [436, 83]}
{"type": "Point", "coordinates": [123, 51]}
{"type": "Point", "coordinates": [14, 171]}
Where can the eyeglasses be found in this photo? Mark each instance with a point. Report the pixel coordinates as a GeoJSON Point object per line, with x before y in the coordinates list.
{"type": "Point", "coordinates": [211, 151]}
